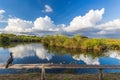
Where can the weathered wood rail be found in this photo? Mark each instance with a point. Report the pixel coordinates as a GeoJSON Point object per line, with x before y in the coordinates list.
{"type": "Point", "coordinates": [52, 66]}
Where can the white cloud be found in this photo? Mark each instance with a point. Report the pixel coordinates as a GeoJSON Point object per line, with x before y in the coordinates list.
{"type": "Point", "coordinates": [1, 15]}
{"type": "Point", "coordinates": [113, 54]}
{"type": "Point", "coordinates": [18, 25]}
{"type": "Point", "coordinates": [87, 21]}
{"type": "Point", "coordinates": [22, 51]}
{"type": "Point", "coordinates": [84, 25]}
{"type": "Point", "coordinates": [44, 24]}
{"type": "Point", "coordinates": [40, 24]}
{"type": "Point", "coordinates": [109, 27]}
{"type": "Point", "coordinates": [87, 59]}
{"type": "Point", "coordinates": [42, 54]}
{"type": "Point", "coordinates": [48, 8]}
{"type": "Point", "coordinates": [2, 11]}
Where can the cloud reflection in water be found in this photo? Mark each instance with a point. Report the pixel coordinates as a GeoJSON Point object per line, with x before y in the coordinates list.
{"type": "Point", "coordinates": [87, 59]}
{"type": "Point", "coordinates": [31, 50]}
{"type": "Point", "coordinates": [22, 51]}
{"type": "Point", "coordinates": [113, 54]}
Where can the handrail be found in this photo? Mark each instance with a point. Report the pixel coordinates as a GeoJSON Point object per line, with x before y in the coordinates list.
{"type": "Point", "coordinates": [51, 66]}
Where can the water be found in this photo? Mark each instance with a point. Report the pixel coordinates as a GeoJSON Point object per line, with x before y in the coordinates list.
{"type": "Point", "coordinates": [36, 53]}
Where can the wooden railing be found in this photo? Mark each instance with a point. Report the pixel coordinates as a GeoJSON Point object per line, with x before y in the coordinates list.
{"type": "Point", "coordinates": [70, 66]}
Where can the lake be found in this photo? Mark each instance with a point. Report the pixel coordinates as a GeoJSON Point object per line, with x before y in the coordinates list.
{"type": "Point", "coordinates": [36, 53]}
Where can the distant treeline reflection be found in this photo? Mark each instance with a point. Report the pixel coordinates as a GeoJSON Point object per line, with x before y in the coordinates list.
{"type": "Point", "coordinates": [63, 51]}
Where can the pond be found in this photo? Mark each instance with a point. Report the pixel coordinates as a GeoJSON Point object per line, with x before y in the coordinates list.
{"type": "Point", "coordinates": [36, 53]}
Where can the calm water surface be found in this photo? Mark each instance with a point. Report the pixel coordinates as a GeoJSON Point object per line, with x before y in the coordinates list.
{"type": "Point", "coordinates": [36, 53]}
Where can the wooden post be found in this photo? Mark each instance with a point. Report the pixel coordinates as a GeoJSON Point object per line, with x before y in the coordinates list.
{"type": "Point", "coordinates": [100, 74]}
{"type": "Point", "coordinates": [43, 73]}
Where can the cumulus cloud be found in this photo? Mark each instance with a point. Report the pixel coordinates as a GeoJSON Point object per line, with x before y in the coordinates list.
{"type": "Point", "coordinates": [87, 21]}
{"type": "Point", "coordinates": [2, 11]}
{"type": "Point", "coordinates": [41, 24]}
{"type": "Point", "coordinates": [110, 27]}
{"type": "Point", "coordinates": [1, 15]}
{"type": "Point", "coordinates": [87, 25]}
{"type": "Point", "coordinates": [18, 25]}
{"type": "Point", "coordinates": [44, 24]}
{"type": "Point", "coordinates": [48, 8]}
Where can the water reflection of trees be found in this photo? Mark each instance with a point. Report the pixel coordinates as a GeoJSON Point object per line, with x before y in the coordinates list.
{"type": "Point", "coordinates": [43, 52]}
{"type": "Point", "coordinates": [13, 44]}
{"type": "Point", "coordinates": [72, 52]}
{"type": "Point", "coordinates": [61, 51]}
{"type": "Point", "coordinates": [88, 57]}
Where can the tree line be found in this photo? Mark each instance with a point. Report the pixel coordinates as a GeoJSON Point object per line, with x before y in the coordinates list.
{"type": "Point", "coordinates": [8, 40]}
{"type": "Point", "coordinates": [81, 42]}
{"type": "Point", "coordinates": [18, 38]}
{"type": "Point", "coordinates": [75, 42]}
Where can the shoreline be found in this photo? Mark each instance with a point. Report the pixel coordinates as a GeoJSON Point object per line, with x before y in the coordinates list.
{"type": "Point", "coordinates": [73, 42]}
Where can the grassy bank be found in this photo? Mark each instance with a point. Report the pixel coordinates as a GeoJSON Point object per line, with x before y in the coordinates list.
{"type": "Point", "coordinates": [49, 76]}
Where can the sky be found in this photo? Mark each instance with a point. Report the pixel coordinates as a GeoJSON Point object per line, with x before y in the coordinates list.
{"type": "Point", "coordinates": [92, 18]}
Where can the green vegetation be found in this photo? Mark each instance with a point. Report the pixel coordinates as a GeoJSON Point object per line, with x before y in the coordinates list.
{"type": "Point", "coordinates": [72, 52]}
{"type": "Point", "coordinates": [9, 40]}
{"type": "Point", "coordinates": [4, 41]}
{"type": "Point", "coordinates": [18, 38]}
{"type": "Point", "coordinates": [62, 41]}
{"type": "Point", "coordinates": [80, 42]}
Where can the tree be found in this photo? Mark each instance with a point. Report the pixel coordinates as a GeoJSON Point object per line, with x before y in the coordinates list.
{"type": "Point", "coordinates": [5, 41]}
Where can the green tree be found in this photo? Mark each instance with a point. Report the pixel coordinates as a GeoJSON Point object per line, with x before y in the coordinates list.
{"type": "Point", "coordinates": [4, 41]}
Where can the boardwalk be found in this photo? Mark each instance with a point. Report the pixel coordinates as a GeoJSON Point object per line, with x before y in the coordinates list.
{"type": "Point", "coordinates": [51, 66]}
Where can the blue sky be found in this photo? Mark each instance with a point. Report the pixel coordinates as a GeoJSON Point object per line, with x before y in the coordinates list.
{"type": "Point", "coordinates": [60, 13]}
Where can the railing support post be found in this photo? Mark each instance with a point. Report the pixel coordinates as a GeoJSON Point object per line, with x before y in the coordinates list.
{"type": "Point", "coordinates": [100, 74]}
{"type": "Point", "coordinates": [43, 73]}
